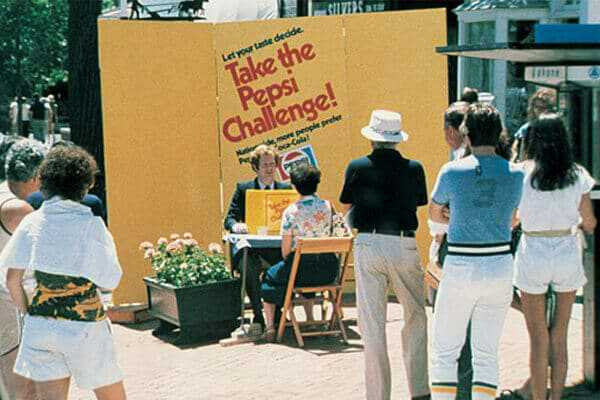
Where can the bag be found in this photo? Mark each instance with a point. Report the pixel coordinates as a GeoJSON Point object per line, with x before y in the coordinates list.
{"type": "Point", "coordinates": [443, 251]}
{"type": "Point", "coordinates": [515, 238]}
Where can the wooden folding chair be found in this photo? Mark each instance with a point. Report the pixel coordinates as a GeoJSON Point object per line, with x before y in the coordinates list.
{"type": "Point", "coordinates": [331, 293]}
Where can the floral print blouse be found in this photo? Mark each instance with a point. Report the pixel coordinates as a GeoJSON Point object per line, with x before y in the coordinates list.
{"type": "Point", "coordinates": [308, 217]}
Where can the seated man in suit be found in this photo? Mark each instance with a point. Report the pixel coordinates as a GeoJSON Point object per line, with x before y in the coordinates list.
{"type": "Point", "coordinates": [264, 162]}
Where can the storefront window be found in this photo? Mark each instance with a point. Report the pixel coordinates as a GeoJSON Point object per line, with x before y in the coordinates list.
{"type": "Point", "coordinates": [516, 88]}
{"type": "Point", "coordinates": [479, 73]}
{"type": "Point", "coordinates": [288, 8]}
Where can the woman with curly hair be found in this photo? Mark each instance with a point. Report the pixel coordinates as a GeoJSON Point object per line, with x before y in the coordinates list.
{"type": "Point", "coordinates": [555, 202]}
{"type": "Point", "coordinates": [72, 255]}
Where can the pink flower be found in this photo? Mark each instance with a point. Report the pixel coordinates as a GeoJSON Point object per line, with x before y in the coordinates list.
{"type": "Point", "coordinates": [174, 236]}
{"type": "Point", "coordinates": [149, 253]}
{"type": "Point", "coordinates": [191, 242]}
{"type": "Point", "coordinates": [162, 240]}
{"type": "Point", "coordinates": [146, 246]}
{"type": "Point", "coordinates": [187, 235]}
{"type": "Point", "coordinates": [215, 248]}
{"type": "Point", "coordinates": [173, 247]}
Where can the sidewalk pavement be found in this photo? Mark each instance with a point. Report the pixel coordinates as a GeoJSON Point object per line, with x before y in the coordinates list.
{"type": "Point", "coordinates": [156, 369]}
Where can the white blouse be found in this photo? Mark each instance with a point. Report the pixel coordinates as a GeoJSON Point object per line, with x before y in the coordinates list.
{"type": "Point", "coordinates": [556, 209]}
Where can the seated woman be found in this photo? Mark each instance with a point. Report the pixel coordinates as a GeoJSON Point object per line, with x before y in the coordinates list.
{"type": "Point", "coordinates": [72, 255]}
{"type": "Point", "coordinates": [308, 217]}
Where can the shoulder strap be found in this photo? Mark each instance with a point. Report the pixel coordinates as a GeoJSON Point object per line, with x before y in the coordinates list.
{"type": "Point", "coordinates": [4, 228]}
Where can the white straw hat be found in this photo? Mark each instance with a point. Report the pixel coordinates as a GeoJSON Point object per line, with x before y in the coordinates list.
{"type": "Point", "coordinates": [385, 126]}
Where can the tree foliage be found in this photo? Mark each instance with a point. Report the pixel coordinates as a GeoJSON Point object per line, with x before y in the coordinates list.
{"type": "Point", "coordinates": [41, 28]}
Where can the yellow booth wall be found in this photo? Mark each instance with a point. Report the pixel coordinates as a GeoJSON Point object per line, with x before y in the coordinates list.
{"type": "Point", "coordinates": [176, 93]}
{"type": "Point", "coordinates": [160, 141]}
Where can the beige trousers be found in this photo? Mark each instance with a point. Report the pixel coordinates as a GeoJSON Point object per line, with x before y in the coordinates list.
{"type": "Point", "coordinates": [383, 261]}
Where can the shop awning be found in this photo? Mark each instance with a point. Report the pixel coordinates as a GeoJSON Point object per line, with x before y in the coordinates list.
{"type": "Point", "coordinates": [530, 53]}
{"type": "Point", "coordinates": [553, 44]}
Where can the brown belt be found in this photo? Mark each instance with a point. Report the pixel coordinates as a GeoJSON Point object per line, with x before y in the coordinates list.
{"type": "Point", "coordinates": [548, 234]}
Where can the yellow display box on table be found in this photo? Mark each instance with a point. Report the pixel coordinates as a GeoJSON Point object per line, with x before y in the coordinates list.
{"type": "Point", "coordinates": [264, 209]}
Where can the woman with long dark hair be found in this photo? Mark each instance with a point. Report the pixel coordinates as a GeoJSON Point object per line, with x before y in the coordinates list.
{"type": "Point", "coordinates": [555, 202]}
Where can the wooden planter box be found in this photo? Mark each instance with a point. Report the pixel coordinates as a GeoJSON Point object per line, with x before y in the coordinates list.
{"type": "Point", "coordinates": [200, 312]}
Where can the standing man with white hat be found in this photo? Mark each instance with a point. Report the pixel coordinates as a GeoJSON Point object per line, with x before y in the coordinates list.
{"type": "Point", "coordinates": [382, 192]}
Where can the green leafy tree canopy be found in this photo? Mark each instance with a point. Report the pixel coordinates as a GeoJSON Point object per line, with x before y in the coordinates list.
{"type": "Point", "coordinates": [33, 45]}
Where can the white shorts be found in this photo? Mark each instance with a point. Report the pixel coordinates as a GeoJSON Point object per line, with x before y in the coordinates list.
{"type": "Point", "coordinates": [543, 262]}
{"type": "Point", "coordinates": [54, 349]}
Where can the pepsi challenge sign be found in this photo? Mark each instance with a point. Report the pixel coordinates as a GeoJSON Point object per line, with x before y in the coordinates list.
{"type": "Point", "coordinates": [276, 104]}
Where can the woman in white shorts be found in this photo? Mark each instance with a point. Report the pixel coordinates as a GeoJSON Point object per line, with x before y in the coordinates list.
{"type": "Point", "coordinates": [72, 255]}
{"type": "Point", "coordinates": [555, 202]}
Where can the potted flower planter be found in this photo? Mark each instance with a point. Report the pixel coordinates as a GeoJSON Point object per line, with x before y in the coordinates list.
{"type": "Point", "coordinates": [208, 310]}
{"type": "Point", "coordinates": [193, 289]}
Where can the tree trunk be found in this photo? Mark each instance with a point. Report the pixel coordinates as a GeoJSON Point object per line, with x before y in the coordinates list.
{"type": "Point", "coordinates": [85, 107]}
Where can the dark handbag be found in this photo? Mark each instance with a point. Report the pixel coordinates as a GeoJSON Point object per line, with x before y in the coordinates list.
{"type": "Point", "coordinates": [443, 251]}
{"type": "Point", "coordinates": [515, 238]}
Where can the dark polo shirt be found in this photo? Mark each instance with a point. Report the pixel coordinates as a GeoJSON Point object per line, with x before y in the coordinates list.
{"type": "Point", "coordinates": [385, 190]}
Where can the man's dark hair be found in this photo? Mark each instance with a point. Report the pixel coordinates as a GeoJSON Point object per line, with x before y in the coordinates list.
{"type": "Point", "coordinates": [455, 114]}
{"type": "Point", "coordinates": [503, 148]}
{"type": "Point", "coordinates": [260, 151]}
{"type": "Point", "coordinates": [67, 172]}
{"type": "Point", "coordinates": [305, 178]}
{"type": "Point", "coordinates": [470, 95]}
{"type": "Point", "coordinates": [483, 125]}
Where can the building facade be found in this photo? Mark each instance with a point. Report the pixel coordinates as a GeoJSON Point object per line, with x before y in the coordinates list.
{"type": "Point", "coordinates": [485, 22]}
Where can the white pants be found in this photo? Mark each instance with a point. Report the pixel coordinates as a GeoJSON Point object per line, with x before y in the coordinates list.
{"type": "Point", "coordinates": [477, 289]}
{"type": "Point", "coordinates": [382, 261]}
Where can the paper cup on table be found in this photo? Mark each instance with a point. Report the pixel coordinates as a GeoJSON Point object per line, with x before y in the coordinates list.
{"type": "Point", "coordinates": [262, 230]}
